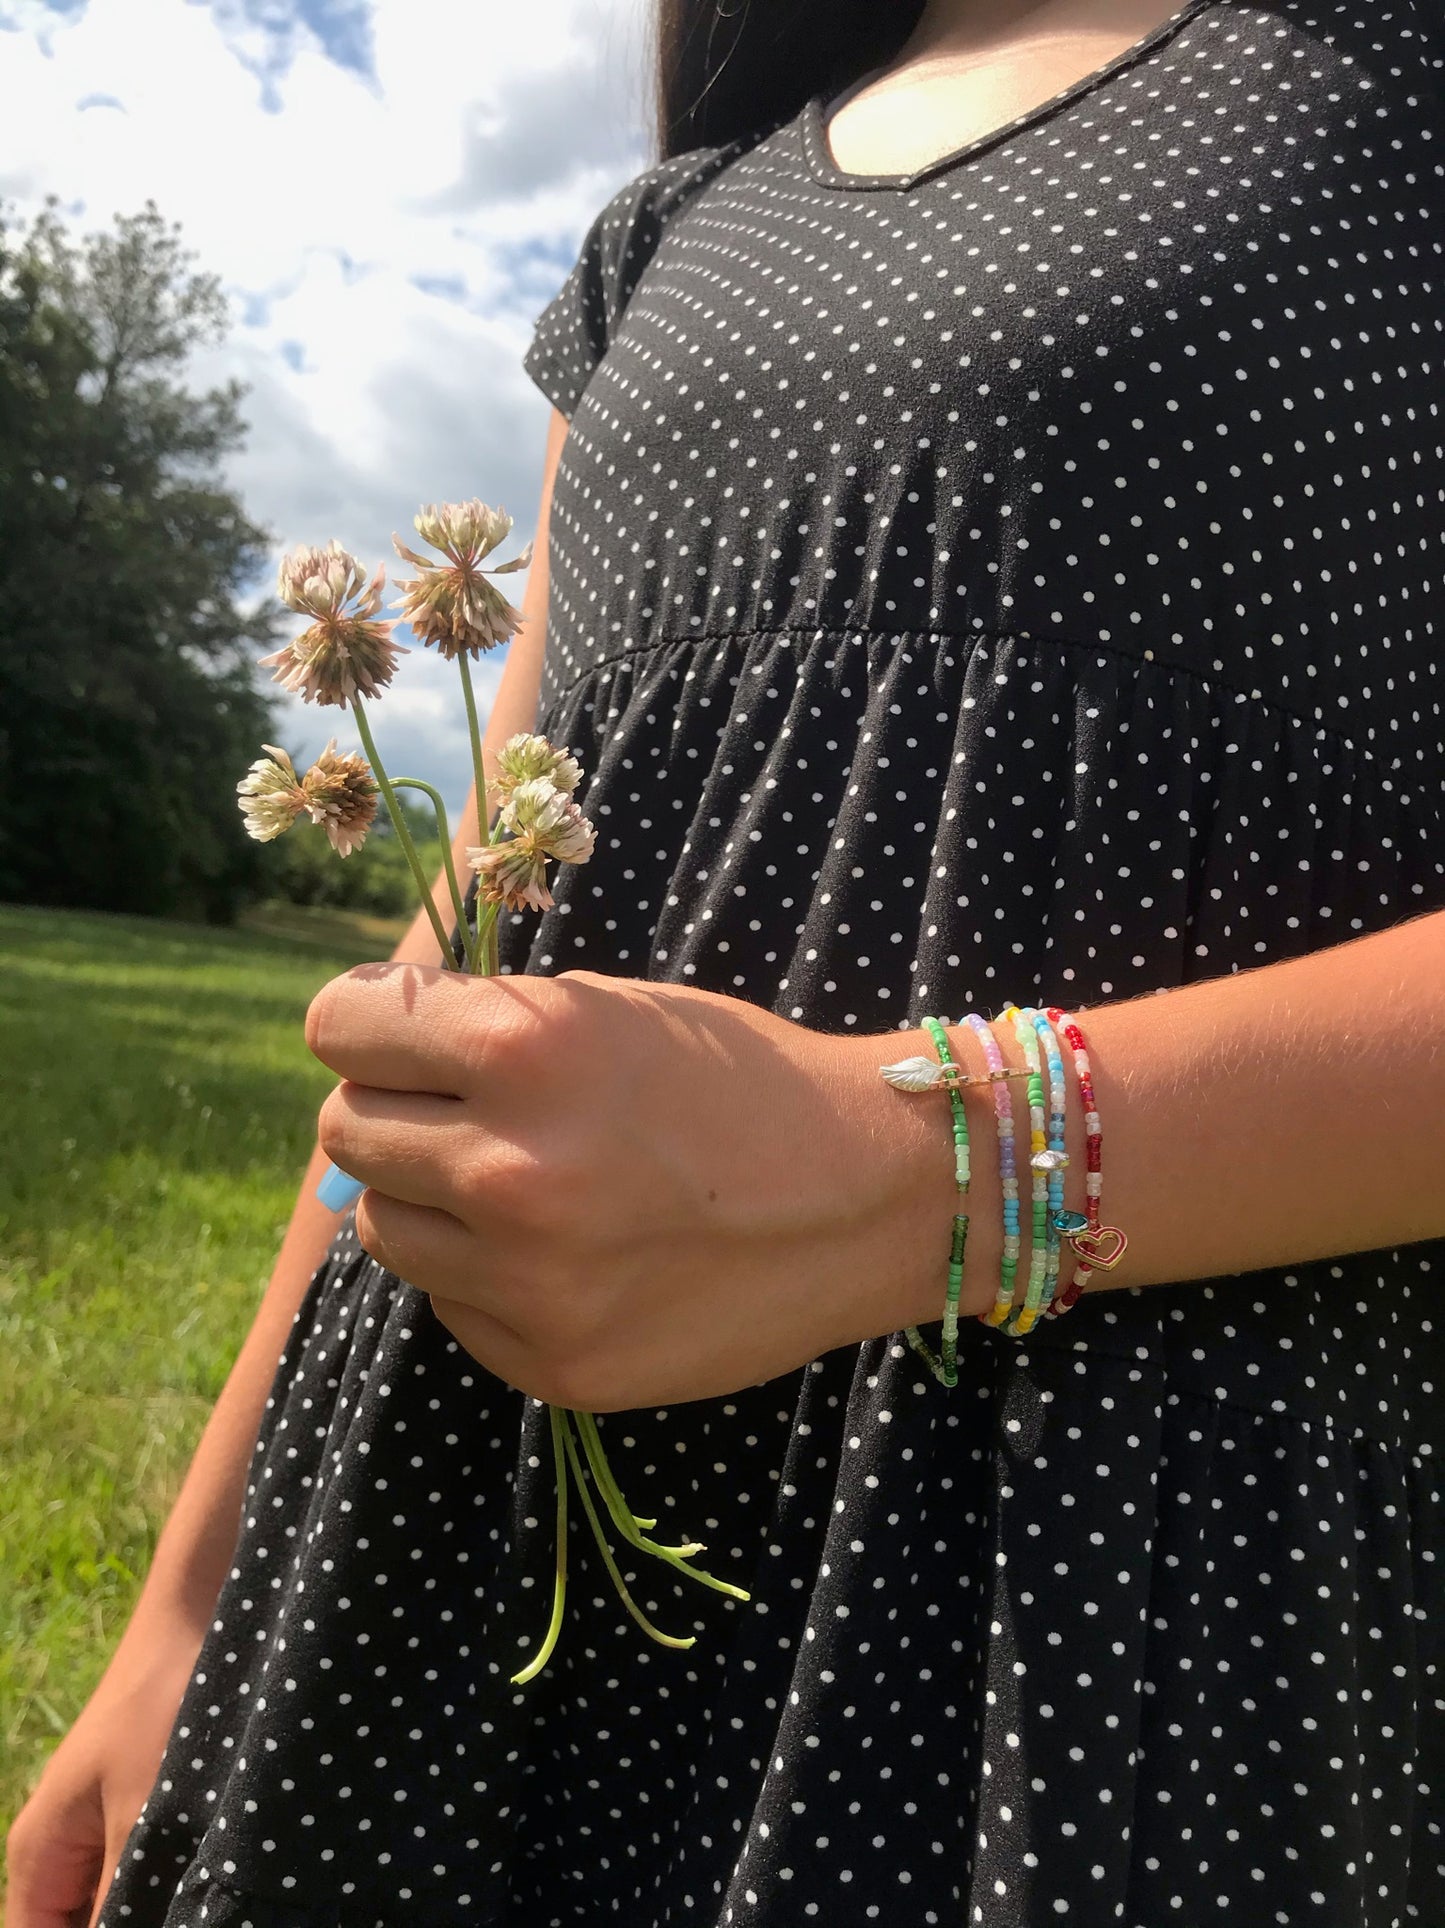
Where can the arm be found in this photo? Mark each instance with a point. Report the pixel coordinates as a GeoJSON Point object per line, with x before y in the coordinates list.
{"type": "Point", "coordinates": [65, 1843]}
{"type": "Point", "coordinates": [1285, 1114]}
{"type": "Point", "coordinates": [1279, 1115]}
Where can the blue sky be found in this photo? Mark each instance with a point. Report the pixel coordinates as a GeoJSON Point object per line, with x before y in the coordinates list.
{"type": "Point", "coordinates": [389, 193]}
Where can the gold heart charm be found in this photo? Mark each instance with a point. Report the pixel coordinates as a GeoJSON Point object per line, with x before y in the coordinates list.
{"type": "Point", "coordinates": [1086, 1245]}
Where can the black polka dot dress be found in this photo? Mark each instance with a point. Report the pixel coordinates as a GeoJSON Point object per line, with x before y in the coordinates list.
{"type": "Point", "coordinates": [1022, 578]}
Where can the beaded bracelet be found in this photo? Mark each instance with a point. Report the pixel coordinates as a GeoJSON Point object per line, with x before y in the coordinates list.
{"type": "Point", "coordinates": [1098, 1247]}
{"type": "Point", "coordinates": [1038, 1248]}
{"type": "Point", "coordinates": [926, 1076]}
{"type": "Point", "coordinates": [1056, 1159]}
{"type": "Point", "coordinates": [921, 1074]}
{"type": "Point", "coordinates": [1008, 1264]}
{"type": "Point", "coordinates": [1047, 1160]}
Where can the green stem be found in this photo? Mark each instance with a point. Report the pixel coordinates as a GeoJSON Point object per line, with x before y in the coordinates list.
{"type": "Point", "coordinates": [474, 731]}
{"type": "Point", "coordinates": [559, 1594]}
{"type": "Point", "coordinates": [403, 835]}
{"type": "Point", "coordinates": [588, 1428]}
{"type": "Point", "coordinates": [627, 1525]}
{"type": "Point", "coordinates": [487, 914]}
{"type": "Point", "coordinates": [444, 832]}
{"type": "Point", "coordinates": [663, 1639]}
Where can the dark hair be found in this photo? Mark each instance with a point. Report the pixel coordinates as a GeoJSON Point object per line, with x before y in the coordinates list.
{"type": "Point", "coordinates": [731, 68]}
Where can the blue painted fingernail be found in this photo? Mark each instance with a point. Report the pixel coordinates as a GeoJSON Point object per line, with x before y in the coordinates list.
{"type": "Point", "coordinates": [338, 1189]}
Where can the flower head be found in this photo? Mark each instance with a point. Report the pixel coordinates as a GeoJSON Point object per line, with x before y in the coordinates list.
{"type": "Point", "coordinates": [537, 809]}
{"type": "Point", "coordinates": [513, 872]}
{"type": "Point", "coordinates": [545, 822]}
{"type": "Point", "coordinates": [451, 603]}
{"type": "Point", "coordinates": [300, 566]}
{"type": "Point", "coordinates": [523, 757]}
{"type": "Point", "coordinates": [340, 794]}
{"type": "Point", "coordinates": [345, 652]}
{"type": "Point", "coordinates": [271, 798]}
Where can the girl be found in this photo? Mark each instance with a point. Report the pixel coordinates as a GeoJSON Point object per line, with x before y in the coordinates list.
{"type": "Point", "coordinates": [993, 530]}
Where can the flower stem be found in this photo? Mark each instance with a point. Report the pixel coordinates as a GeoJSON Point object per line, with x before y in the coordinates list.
{"type": "Point", "coordinates": [444, 832]}
{"type": "Point", "coordinates": [559, 1595]}
{"type": "Point", "coordinates": [602, 1471]}
{"type": "Point", "coordinates": [627, 1525]}
{"type": "Point", "coordinates": [475, 732]}
{"type": "Point", "coordinates": [487, 914]}
{"type": "Point", "coordinates": [403, 835]}
{"type": "Point", "coordinates": [663, 1639]}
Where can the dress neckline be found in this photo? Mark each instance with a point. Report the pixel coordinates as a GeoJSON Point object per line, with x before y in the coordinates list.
{"type": "Point", "coordinates": [816, 111]}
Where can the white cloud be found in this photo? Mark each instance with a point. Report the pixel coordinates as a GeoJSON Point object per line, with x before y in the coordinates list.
{"type": "Point", "coordinates": [365, 177]}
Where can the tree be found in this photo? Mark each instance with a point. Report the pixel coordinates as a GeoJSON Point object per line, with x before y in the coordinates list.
{"type": "Point", "coordinates": [302, 868]}
{"type": "Point", "coordinates": [128, 701]}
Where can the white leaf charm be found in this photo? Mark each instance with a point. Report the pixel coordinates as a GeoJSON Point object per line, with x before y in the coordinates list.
{"type": "Point", "coordinates": [1049, 1161]}
{"type": "Point", "coordinates": [914, 1074]}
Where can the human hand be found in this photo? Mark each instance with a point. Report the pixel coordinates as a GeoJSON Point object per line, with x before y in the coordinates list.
{"type": "Point", "coordinates": [66, 1842]}
{"type": "Point", "coordinates": [619, 1193]}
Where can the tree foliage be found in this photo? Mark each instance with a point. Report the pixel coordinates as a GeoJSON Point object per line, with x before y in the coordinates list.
{"type": "Point", "coordinates": [128, 701]}
{"type": "Point", "coordinates": [302, 868]}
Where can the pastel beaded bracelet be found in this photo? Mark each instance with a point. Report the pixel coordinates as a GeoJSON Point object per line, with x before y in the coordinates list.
{"type": "Point", "coordinates": [1047, 1161]}
{"type": "Point", "coordinates": [1055, 1160]}
{"type": "Point", "coordinates": [1008, 1263]}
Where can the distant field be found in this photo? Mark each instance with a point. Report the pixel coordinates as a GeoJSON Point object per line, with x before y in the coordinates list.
{"type": "Point", "coordinates": [158, 1108]}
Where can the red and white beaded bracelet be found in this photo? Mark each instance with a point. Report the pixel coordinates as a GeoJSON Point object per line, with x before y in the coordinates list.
{"type": "Point", "coordinates": [1097, 1247]}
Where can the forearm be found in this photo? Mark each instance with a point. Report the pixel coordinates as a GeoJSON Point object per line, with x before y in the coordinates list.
{"type": "Point", "coordinates": [194, 1550]}
{"type": "Point", "coordinates": [1268, 1118]}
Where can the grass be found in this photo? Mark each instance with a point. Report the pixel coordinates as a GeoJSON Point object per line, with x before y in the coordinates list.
{"type": "Point", "coordinates": [159, 1107]}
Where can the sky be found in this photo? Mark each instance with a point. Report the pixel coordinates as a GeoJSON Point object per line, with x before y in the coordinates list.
{"type": "Point", "coordinates": [390, 191]}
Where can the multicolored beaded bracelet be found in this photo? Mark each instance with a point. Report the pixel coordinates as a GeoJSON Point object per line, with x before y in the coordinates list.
{"type": "Point", "coordinates": [1008, 1265]}
{"type": "Point", "coordinates": [1098, 1247]}
{"type": "Point", "coordinates": [1038, 1246]}
{"type": "Point", "coordinates": [923, 1074]}
{"type": "Point", "coordinates": [1047, 1161]}
{"type": "Point", "coordinates": [1055, 1160]}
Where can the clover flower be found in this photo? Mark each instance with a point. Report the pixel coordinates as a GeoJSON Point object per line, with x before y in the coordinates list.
{"type": "Point", "coordinates": [545, 822]}
{"type": "Point", "coordinates": [271, 797]}
{"type": "Point", "coordinates": [538, 809]}
{"type": "Point", "coordinates": [345, 652]}
{"type": "Point", "coordinates": [340, 794]}
{"type": "Point", "coordinates": [452, 604]}
{"type": "Point", "coordinates": [523, 757]}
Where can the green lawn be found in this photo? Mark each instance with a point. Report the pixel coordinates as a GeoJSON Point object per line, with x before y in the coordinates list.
{"type": "Point", "coordinates": [158, 1108]}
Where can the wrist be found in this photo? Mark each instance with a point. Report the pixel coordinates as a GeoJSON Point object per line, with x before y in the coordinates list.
{"type": "Point", "coordinates": [923, 1198]}
{"type": "Point", "coordinates": [919, 1195]}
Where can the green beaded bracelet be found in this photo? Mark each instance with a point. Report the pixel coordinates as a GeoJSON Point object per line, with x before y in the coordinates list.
{"type": "Point", "coordinates": [945, 1370]}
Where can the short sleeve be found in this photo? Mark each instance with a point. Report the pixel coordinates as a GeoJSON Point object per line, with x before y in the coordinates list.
{"type": "Point", "coordinates": [573, 332]}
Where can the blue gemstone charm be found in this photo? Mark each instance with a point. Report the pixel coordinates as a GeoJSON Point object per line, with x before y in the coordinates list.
{"type": "Point", "coordinates": [1068, 1221]}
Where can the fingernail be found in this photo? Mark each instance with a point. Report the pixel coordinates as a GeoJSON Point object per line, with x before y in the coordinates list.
{"type": "Point", "coordinates": [338, 1189]}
